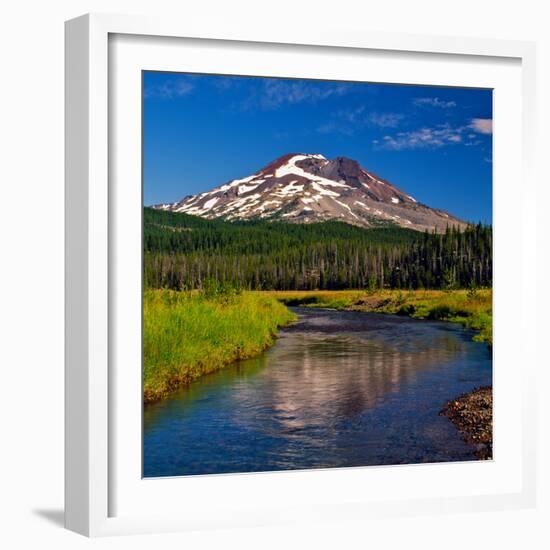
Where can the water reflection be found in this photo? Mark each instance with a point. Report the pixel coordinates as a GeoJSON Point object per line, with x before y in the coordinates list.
{"type": "Point", "coordinates": [338, 389]}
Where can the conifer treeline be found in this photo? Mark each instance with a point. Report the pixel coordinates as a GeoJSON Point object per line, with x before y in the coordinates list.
{"type": "Point", "coordinates": [185, 252]}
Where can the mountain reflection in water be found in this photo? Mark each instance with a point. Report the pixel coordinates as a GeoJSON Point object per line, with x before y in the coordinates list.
{"type": "Point", "coordinates": [337, 389]}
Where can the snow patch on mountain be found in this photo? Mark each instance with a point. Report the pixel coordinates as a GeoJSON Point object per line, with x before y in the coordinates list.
{"type": "Point", "coordinates": [291, 168]}
{"type": "Point", "coordinates": [210, 203]}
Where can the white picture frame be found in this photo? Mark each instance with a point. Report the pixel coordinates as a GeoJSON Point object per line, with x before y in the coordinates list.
{"type": "Point", "coordinates": [95, 407]}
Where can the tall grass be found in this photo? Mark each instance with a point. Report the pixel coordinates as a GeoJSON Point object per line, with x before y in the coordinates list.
{"type": "Point", "coordinates": [188, 334]}
{"type": "Point", "coordinates": [472, 308]}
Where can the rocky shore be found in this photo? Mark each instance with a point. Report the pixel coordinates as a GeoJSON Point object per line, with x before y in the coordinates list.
{"type": "Point", "coordinates": [472, 414]}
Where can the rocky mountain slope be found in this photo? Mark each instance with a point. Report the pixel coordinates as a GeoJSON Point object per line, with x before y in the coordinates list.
{"type": "Point", "coordinates": [307, 188]}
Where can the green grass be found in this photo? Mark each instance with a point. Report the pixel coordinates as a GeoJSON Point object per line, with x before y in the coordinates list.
{"type": "Point", "coordinates": [189, 334]}
{"type": "Point", "coordinates": [472, 309]}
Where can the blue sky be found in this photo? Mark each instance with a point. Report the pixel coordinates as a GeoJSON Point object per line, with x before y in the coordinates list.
{"type": "Point", "coordinates": [435, 143]}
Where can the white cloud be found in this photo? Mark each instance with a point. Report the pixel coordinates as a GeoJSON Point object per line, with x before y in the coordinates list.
{"type": "Point", "coordinates": [438, 136]}
{"type": "Point", "coordinates": [347, 121]}
{"type": "Point", "coordinates": [351, 115]}
{"type": "Point", "coordinates": [275, 93]}
{"type": "Point", "coordinates": [385, 120]}
{"type": "Point", "coordinates": [424, 138]}
{"type": "Point", "coordinates": [482, 125]}
{"type": "Point", "coordinates": [434, 102]}
{"type": "Point", "coordinates": [169, 89]}
{"type": "Point", "coordinates": [333, 127]}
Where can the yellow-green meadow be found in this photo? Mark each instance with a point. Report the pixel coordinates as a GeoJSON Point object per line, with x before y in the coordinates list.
{"type": "Point", "coordinates": [188, 334]}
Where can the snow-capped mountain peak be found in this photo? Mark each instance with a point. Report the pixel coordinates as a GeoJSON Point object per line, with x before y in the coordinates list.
{"type": "Point", "coordinates": [307, 188]}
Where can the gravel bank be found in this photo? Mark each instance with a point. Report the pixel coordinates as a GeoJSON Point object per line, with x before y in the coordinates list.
{"type": "Point", "coordinates": [472, 414]}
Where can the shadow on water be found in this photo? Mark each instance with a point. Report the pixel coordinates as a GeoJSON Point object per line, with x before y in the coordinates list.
{"type": "Point", "coordinates": [338, 389]}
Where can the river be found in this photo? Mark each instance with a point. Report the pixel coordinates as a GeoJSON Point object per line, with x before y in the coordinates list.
{"type": "Point", "coordinates": [338, 389]}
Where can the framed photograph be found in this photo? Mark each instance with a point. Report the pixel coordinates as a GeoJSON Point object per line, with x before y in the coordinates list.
{"type": "Point", "coordinates": [289, 274]}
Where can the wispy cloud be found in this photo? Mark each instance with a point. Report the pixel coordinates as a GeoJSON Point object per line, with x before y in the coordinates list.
{"type": "Point", "coordinates": [335, 127]}
{"type": "Point", "coordinates": [225, 82]}
{"type": "Point", "coordinates": [434, 102]}
{"type": "Point", "coordinates": [424, 138]}
{"type": "Point", "coordinates": [347, 121]}
{"type": "Point", "coordinates": [437, 136]}
{"type": "Point", "coordinates": [482, 125]}
{"type": "Point", "coordinates": [385, 120]}
{"type": "Point", "coordinates": [169, 89]}
{"type": "Point", "coordinates": [275, 93]}
{"type": "Point", "coordinates": [352, 115]}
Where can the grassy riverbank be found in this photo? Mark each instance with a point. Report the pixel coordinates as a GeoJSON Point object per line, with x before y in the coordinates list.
{"type": "Point", "coordinates": [470, 308]}
{"type": "Point", "coordinates": [188, 334]}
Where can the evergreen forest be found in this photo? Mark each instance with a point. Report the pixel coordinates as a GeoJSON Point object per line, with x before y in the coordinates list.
{"type": "Point", "coordinates": [184, 252]}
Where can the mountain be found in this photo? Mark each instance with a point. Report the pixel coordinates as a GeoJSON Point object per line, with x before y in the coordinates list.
{"type": "Point", "coordinates": [307, 188]}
